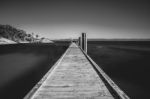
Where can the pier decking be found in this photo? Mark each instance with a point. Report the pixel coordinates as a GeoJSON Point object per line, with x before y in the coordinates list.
{"type": "Point", "coordinates": [73, 77]}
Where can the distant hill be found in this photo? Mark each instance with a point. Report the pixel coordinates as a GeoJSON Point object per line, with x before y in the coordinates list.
{"type": "Point", "coordinates": [20, 36]}
{"type": "Point", "coordinates": [14, 34]}
{"type": "Point", "coordinates": [45, 40]}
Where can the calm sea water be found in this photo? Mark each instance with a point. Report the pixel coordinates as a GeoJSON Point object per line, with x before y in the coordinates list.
{"type": "Point", "coordinates": [127, 64]}
{"type": "Point", "coordinates": [22, 66]}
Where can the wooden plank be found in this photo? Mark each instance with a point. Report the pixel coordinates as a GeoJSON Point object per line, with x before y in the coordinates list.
{"type": "Point", "coordinates": [73, 78]}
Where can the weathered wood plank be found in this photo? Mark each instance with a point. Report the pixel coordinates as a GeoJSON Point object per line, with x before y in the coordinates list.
{"type": "Point", "coordinates": [73, 78]}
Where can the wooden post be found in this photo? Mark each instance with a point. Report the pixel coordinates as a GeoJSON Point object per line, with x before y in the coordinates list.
{"type": "Point", "coordinates": [80, 42]}
{"type": "Point", "coordinates": [84, 42]}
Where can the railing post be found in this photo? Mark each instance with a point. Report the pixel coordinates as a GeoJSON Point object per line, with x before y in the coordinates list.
{"type": "Point", "coordinates": [84, 42]}
{"type": "Point", "coordinates": [79, 40]}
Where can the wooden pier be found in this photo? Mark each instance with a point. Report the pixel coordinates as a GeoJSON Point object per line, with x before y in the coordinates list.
{"type": "Point", "coordinates": [74, 77]}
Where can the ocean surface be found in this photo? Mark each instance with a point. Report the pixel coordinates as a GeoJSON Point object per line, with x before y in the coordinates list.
{"type": "Point", "coordinates": [23, 65]}
{"type": "Point", "coordinates": [127, 63]}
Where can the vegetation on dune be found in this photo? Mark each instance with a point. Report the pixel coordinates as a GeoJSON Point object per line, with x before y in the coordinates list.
{"type": "Point", "coordinates": [18, 35]}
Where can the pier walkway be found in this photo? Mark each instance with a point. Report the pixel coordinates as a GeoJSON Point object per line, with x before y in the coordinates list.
{"type": "Point", "coordinates": [72, 77]}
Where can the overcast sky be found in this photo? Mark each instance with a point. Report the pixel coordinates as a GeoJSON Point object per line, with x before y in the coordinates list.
{"type": "Point", "coordinates": [68, 18]}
